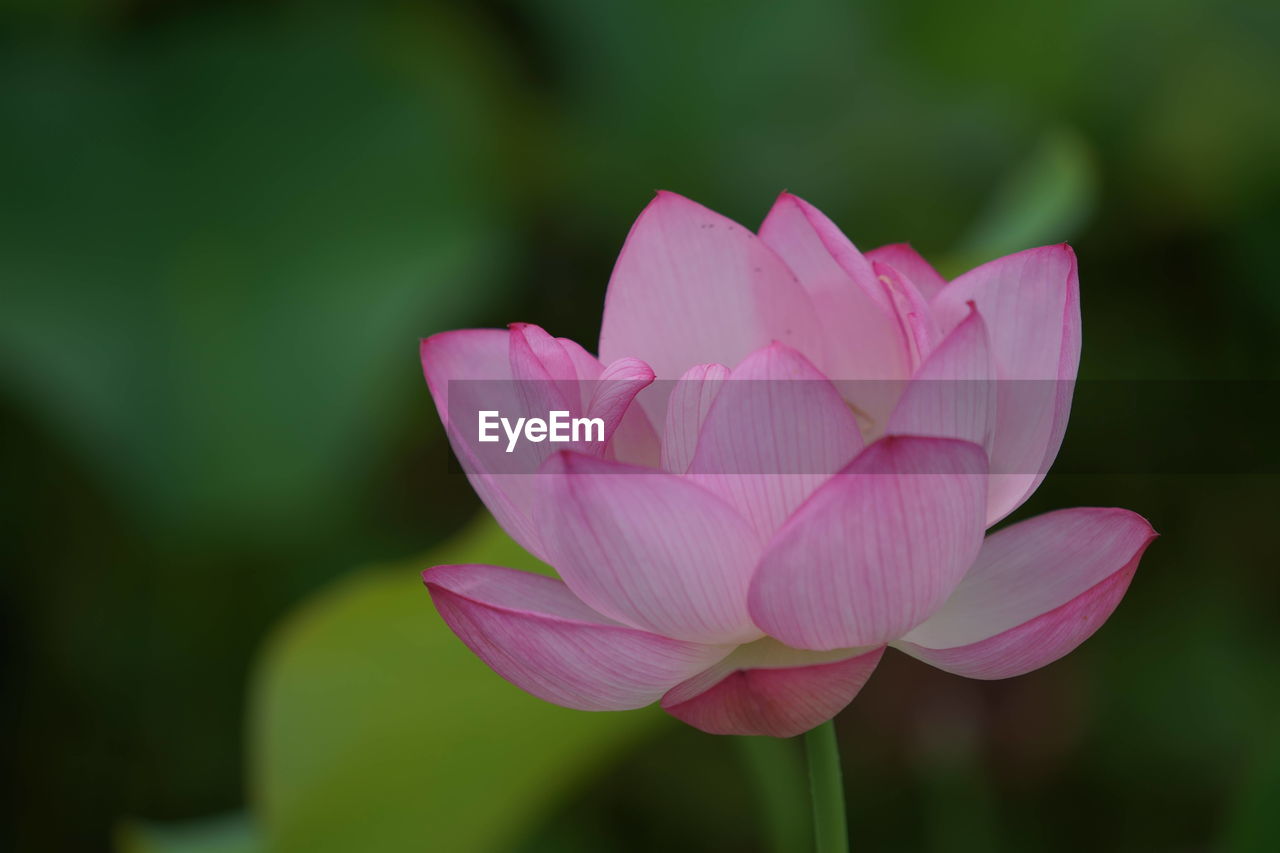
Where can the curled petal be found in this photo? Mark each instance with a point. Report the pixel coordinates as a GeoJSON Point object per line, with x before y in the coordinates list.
{"type": "Point", "coordinates": [649, 549]}
{"type": "Point", "coordinates": [877, 549]}
{"type": "Point", "coordinates": [765, 688]}
{"type": "Point", "coordinates": [534, 633]}
{"type": "Point", "coordinates": [616, 387]}
{"type": "Point", "coordinates": [1037, 590]}
{"type": "Point", "coordinates": [628, 435]}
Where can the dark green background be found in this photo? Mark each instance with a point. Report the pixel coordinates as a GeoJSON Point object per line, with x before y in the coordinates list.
{"type": "Point", "coordinates": [223, 228]}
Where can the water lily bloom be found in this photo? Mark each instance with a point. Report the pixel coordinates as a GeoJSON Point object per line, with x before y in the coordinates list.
{"type": "Point", "coordinates": [824, 437]}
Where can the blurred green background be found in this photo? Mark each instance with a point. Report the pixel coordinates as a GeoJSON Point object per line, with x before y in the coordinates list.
{"type": "Point", "coordinates": [224, 226]}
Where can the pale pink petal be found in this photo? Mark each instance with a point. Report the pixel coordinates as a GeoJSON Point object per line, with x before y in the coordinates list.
{"type": "Point", "coordinates": [635, 441]}
{"type": "Point", "coordinates": [953, 394]}
{"type": "Point", "coordinates": [476, 364]}
{"type": "Point", "coordinates": [863, 340]}
{"type": "Point", "coordinates": [1037, 590]}
{"type": "Point", "coordinates": [919, 328]}
{"type": "Point", "coordinates": [692, 287]}
{"type": "Point", "coordinates": [601, 392]}
{"type": "Point", "coordinates": [586, 365]}
{"type": "Point", "coordinates": [909, 262]}
{"type": "Point", "coordinates": [877, 549]}
{"type": "Point", "coordinates": [792, 223]}
{"type": "Point", "coordinates": [557, 373]}
{"type": "Point", "coordinates": [687, 407]}
{"type": "Point", "coordinates": [534, 633]}
{"type": "Point", "coordinates": [766, 688]}
{"type": "Point", "coordinates": [649, 549]}
{"type": "Point", "coordinates": [777, 431]}
{"type": "Point", "coordinates": [1030, 302]}
{"type": "Point", "coordinates": [611, 398]}
{"type": "Point", "coordinates": [547, 373]}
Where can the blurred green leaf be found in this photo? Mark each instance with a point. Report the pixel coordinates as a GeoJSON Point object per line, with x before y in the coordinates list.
{"type": "Point", "coordinates": [1044, 199]}
{"type": "Point", "coordinates": [230, 834]}
{"type": "Point", "coordinates": [220, 242]}
{"type": "Point", "coordinates": [739, 108]}
{"type": "Point", "coordinates": [1254, 826]}
{"type": "Point", "coordinates": [374, 729]}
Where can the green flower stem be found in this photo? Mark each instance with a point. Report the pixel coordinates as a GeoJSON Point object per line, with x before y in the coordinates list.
{"type": "Point", "coordinates": [776, 770]}
{"type": "Point", "coordinates": [830, 833]}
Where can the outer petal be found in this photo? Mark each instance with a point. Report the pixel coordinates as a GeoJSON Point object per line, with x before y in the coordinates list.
{"type": "Point", "coordinates": [692, 287]}
{"type": "Point", "coordinates": [953, 394]}
{"type": "Point", "coordinates": [1030, 301]}
{"type": "Point", "coordinates": [526, 372]}
{"type": "Point", "coordinates": [877, 549]}
{"type": "Point", "coordinates": [649, 549]}
{"type": "Point", "coordinates": [911, 264]}
{"type": "Point", "coordinates": [1038, 589]}
{"type": "Point", "coordinates": [469, 360]}
{"type": "Point", "coordinates": [687, 407]}
{"type": "Point", "coordinates": [766, 688]}
{"type": "Point", "coordinates": [1031, 304]}
{"type": "Point", "coordinates": [863, 339]}
{"type": "Point", "coordinates": [777, 431]}
{"type": "Point", "coordinates": [533, 632]}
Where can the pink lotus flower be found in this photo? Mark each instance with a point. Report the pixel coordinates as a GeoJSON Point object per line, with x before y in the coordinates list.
{"type": "Point", "coordinates": [781, 539]}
